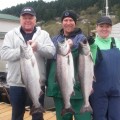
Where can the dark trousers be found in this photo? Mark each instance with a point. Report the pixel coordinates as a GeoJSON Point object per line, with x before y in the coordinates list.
{"type": "Point", "coordinates": [105, 107]}
{"type": "Point", "coordinates": [18, 96]}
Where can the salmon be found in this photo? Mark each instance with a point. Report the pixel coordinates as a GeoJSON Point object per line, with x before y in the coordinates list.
{"type": "Point", "coordinates": [31, 77]}
{"type": "Point", "coordinates": [65, 75]}
{"type": "Point", "coordinates": [86, 74]}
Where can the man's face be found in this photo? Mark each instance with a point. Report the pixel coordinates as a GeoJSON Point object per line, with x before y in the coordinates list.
{"type": "Point", "coordinates": [27, 22]}
{"type": "Point", "coordinates": [103, 30]}
{"type": "Point", "coordinates": [68, 25]}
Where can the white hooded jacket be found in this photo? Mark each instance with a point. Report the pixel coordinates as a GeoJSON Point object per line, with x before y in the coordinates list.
{"type": "Point", "coordinates": [10, 52]}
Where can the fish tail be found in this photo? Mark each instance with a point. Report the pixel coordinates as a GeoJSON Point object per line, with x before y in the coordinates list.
{"type": "Point", "coordinates": [68, 110]}
{"type": "Point", "coordinates": [41, 93]}
{"type": "Point", "coordinates": [86, 109]}
{"type": "Point", "coordinates": [34, 110]}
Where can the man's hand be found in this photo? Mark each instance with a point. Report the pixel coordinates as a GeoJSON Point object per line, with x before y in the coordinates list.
{"type": "Point", "coordinates": [33, 44]}
{"type": "Point", "coordinates": [90, 40]}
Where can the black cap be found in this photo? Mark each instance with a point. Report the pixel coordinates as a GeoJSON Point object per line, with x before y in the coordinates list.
{"type": "Point", "coordinates": [104, 20]}
{"type": "Point", "coordinates": [69, 13]}
{"type": "Point", "coordinates": [28, 10]}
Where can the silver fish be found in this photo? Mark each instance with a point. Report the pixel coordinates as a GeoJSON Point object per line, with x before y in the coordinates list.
{"type": "Point", "coordinates": [30, 77]}
{"type": "Point", "coordinates": [86, 74]}
{"type": "Point", "coordinates": [65, 75]}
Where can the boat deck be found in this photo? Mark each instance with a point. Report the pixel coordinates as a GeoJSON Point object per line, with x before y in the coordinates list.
{"type": "Point", "coordinates": [5, 113]}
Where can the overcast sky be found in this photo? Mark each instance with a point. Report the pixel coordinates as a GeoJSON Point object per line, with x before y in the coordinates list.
{"type": "Point", "coordinates": [9, 3]}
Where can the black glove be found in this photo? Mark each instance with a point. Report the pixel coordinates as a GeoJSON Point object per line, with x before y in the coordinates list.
{"type": "Point", "coordinates": [90, 39]}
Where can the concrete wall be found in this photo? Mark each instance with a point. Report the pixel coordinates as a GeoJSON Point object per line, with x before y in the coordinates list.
{"type": "Point", "coordinates": [6, 25]}
{"type": "Point", "coordinates": [116, 31]}
{"type": "Point", "coordinates": [2, 63]}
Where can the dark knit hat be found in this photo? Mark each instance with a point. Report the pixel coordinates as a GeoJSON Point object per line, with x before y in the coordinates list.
{"type": "Point", "coordinates": [104, 20]}
{"type": "Point", "coordinates": [28, 10]}
{"type": "Point", "coordinates": [69, 13]}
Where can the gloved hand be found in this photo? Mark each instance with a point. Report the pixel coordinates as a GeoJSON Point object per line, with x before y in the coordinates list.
{"type": "Point", "coordinates": [90, 39]}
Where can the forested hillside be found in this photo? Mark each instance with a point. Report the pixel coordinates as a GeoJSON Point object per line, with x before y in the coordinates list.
{"type": "Point", "coordinates": [87, 10]}
{"type": "Point", "coordinates": [49, 11]}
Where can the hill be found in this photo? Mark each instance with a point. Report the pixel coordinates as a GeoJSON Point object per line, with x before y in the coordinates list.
{"type": "Point", "coordinates": [48, 13]}
{"type": "Point", "coordinates": [50, 10]}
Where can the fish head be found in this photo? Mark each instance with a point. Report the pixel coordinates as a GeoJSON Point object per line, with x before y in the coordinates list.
{"type": "Point", "coordinates": [63, 47]}
{"type": "Point", "coordinates": [26, 51]}
{"type": "Point", "coordinates": [84, 47]}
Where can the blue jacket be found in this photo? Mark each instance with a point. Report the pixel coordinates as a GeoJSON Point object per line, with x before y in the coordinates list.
{"type": "Point", "coordinates": [52, 86]}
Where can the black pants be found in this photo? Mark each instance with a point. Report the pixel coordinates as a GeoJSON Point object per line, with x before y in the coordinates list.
{"type": "Point", "coordinates": [18, 96]}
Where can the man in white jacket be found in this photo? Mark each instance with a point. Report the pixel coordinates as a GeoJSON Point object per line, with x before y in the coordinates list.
{"type": "Point", "coordinates": [42, 46]}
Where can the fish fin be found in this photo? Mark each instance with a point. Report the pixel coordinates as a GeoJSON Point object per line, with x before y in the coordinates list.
{"type": "Point", "coordinates": [73, 93]}
{"type": "Point", "coordinates": [41, 93]}
{"type": "Point", "coordinates": [73, 80]}
{"type": "Point", "coordinates": [68, 110]}
{"type": "Point", "coordinates": [32, 62]}
{"type": "Point", "coordinates": [86, 109]}
{"type": "Point", "coordinates": [77, 77]}
{"type": "Point", "coordinates": [91, 56]}
{"type": "Point", "coordinates": [91, 91]}
{"type": "Point", "coordinates": [94, 78]}
{"type": "Point", "coordinates": [34, 110]}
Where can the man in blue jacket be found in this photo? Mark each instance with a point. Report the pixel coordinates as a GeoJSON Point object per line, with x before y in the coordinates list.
{"type": "Point", "coordinates": [74, 36]}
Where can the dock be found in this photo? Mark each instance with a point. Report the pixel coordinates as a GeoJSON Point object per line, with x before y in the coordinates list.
{"type": "Point", "coordinates": [6, 110]}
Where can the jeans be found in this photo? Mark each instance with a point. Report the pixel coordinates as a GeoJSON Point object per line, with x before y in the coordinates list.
{"type": "Point", "coordinates": [18, 96]}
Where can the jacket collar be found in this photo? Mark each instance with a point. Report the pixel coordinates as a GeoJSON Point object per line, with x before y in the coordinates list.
{"type": "Point", "coordinates": [72, 34]}
{"type": "Point", "coordinates": [38, 32]}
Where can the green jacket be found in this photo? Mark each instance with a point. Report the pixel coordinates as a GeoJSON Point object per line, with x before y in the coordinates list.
{"type": "Point", "coordinates": [103, 44]}
{"type": "Point", "coordinates": [52, 85]}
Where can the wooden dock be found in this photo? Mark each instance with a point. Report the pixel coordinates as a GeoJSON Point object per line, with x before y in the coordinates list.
{"type": "Point", "coordinates": [5, 113]}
